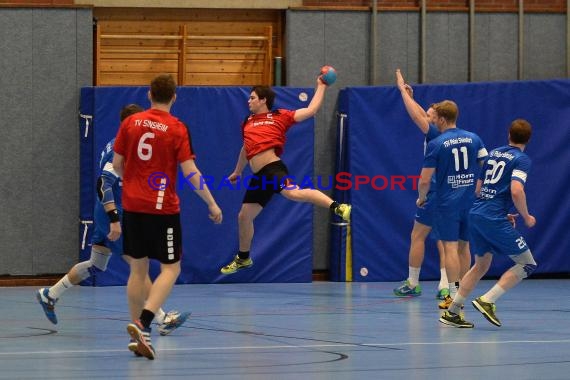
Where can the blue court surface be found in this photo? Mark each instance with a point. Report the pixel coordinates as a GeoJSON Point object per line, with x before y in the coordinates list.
{"type": "Point", "coordinates": [319, 330]}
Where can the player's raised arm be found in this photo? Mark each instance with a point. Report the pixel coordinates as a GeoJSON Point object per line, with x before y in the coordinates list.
{"type": "Point", "coordinates": [416, 112]}
{"type": "Point", "coordinates": [315, 104]}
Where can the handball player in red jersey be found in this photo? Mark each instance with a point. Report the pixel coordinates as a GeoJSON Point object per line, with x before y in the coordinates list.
{"type": "Point", "coordinates": [148, 148]}
{"type": "Point", "coordinates": [263, 140]}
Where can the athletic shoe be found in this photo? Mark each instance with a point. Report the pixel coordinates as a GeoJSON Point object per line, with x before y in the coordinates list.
{"type": "Point", "coordinates": [343, 210]}
{"type": "Point", "coordinates": [141, 335]}
{"type": "Point", "coordinates": [488, 310]}
{"type": "Point", "coordinates": [172, 321]}
{"type": "Point", "coordinates": [405, 290]}
{"type": "Point", "coordinates": [133, 347]}
{"type": "Point", "coordinates": [442, 293]}
{"type": "Point", "coordinates": [455, 320]}
{"type": "Point", "coordinates": [48, 304]}
{"type": "Point", "coordinates": [237, 264]}
{"type": "Point", "coordinates": [446, 303]}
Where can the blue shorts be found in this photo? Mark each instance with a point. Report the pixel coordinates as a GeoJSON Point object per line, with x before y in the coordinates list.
{"type": "Point", "coordinates": [101, 230]}
{"type": "Point", "coordinates": [497, 236]}
{"type": "Point", "coordinates": [452, 225]}
{"type": "Point", "coordinates": [425, 215]}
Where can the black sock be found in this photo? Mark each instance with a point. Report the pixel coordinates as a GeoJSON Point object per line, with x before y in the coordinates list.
{"type": "Point", "coordinates": [334, 205]}
{"type": "Point", "coordinates": [146, 318]}
{"type": "Point", "coordinates": [243, 255]}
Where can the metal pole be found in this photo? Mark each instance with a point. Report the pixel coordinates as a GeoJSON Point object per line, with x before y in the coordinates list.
{"type": "Point", "coordinates": [278, 71]}
{"type": "Point", "coordinates": [373, 31]}
{"type": "Point", "coordinates": [568, 38]}
{"type": "Point", "coordinates": [423, 42]}
{"type": "Point", "coordinates": [341, 135]}
{"type": "Point", "coordinates": [472, 40]}
{"type": "Point", "coordinates": [521, 40]}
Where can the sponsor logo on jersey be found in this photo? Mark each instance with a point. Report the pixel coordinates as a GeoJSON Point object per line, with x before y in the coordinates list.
{"type": "Point", "coordinates": [461, 180]}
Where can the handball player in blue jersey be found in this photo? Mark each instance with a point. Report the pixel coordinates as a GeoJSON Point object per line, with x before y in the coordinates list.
{"type": "Point", "coordinates": [424, 215]}
{"type": "Point", "coordinates": [106, 240]}
{"type": "Point", "coordinates": [492, 228]}
{"type": "Point", "coordinates": [454, 158]}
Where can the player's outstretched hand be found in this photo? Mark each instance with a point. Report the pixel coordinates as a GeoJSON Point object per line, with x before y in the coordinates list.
{"type": "Point", "coordinates": [400, 82]}
{"type": "Point", "coordinates": [215, 213]}
{"type": "Point", "coordinates": [327, 76]}
{"type": "Point", "coordinates": [402, 85]}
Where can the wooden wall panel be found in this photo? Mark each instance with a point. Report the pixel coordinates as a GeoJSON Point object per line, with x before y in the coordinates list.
{"type": "Point", "coordinates": [205, 79]}
{"type": "Point", "coordinates": [127, 45]}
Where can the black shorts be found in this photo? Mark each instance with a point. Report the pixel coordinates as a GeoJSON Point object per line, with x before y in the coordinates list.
{"type": "Point", "coordinates": [155, 236]}
{"type": "Point", "coordinates": [266, 182]}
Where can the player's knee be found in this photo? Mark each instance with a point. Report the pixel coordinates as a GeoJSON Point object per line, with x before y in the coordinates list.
{"type": "Point", "coordinates": [244, 217]}
{"type": "Point", "coordinates": [295, 195]}
{"type": "Point", "coordinates": [529, 268]}
{"type": "Point", "coordinates": [523, 271]}
{"type": "Point", "coordinates": [479, 268]}
{"type": "Point", "coordinates": [415, 236]}
{"type": "Point", "coordinates": [99, 260]}
{"type": "Point", "coordinates": [172, 270]}
{"type": "Point", "coordinates": [420, 231]}
{"type": "Point", "coordinates": [524, 264]}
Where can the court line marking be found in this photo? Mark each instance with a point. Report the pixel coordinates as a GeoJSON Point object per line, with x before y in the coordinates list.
{"type": "Point", "coordinates": [225, 348]}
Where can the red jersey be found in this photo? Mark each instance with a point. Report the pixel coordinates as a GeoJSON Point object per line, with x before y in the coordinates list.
{"type": "Point", "coordinates": [265, 131]}
{"type": "Point", "coordinates": [152, 142]}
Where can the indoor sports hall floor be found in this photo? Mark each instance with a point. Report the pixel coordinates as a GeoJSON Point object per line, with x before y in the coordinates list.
{"type": "Point", "coordinates": [321, 330]}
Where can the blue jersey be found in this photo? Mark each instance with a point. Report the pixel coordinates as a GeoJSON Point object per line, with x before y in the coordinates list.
{"type": "Point", "coordinates": [455, 155]}
{"type": "Point", "coordinates": [431, 134]}
{"type": "Point", "coordinates": [109, 185]}
{"type": "Point", "coordinates": [505, 164]}
{"type": "Point", "coordinates": [109, 189]}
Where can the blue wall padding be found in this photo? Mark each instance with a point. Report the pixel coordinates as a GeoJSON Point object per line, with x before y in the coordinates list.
{"type": "Point", "coordinates": [383, 140]}
{"type": "Point", "coordinates": [283, 243]}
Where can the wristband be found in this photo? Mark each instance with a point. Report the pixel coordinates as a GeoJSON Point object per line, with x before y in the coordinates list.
{"type": "Point", "coordinates": [113, 215]}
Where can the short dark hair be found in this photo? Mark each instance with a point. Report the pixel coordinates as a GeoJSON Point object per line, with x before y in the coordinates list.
{"type": "Point", "coordinates": [162, 88]}
{"type": "Point", "coordinates": [129, 110]}
{"type": "Point", "coordinates": [265, 92]}
{"type": "Point", "coordinates": [520, 131]}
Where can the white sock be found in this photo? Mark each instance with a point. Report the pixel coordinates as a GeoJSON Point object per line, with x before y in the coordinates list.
{"type": "Point", "coordinates": [413, 276]}
{"type": "Point", "coordinates": [58, 289]}
{"type": "Point", "coordinates": [452, 290]}
{"type": "Point", "coordinates": [159, 316]}
{"type": "Point", "coordinates": [456, 305]}
{"type": "Point", "coordinates": [442, 279]}
{"type": "Point", "coordinates": [494, 294]}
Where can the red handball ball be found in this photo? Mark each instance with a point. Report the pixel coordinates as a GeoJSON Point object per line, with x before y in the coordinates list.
{"type": "Point", "coordinates": [328, 75]}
